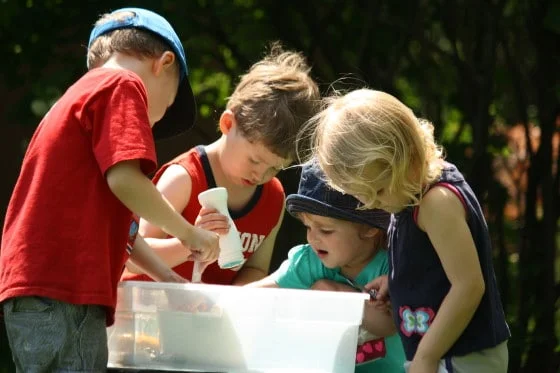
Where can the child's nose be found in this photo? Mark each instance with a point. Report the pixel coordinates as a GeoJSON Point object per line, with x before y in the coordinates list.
{"type": "Point", "coordinates": [311, 238]}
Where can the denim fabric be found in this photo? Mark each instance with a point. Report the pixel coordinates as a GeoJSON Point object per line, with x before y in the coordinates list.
{"type": "Point", "coordinates": [315, 197]}
{"type": "Point", "coordinates": [47, 335]}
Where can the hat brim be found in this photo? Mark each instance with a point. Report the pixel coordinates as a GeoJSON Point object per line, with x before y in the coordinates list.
{"type": "Point", "coordinates": [180, 116]}
{"type": "Point", "coordinates": [296, 203]}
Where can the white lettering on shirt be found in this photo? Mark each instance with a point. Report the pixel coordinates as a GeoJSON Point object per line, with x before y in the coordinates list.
{"type": "Point", "coordinates": [251, 241]}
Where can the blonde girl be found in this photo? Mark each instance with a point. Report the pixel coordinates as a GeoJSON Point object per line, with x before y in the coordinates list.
{"type": "Point", "coordinates": [441, 281]}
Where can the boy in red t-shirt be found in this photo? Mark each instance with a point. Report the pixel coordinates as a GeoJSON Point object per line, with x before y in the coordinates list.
{"type": "Point", "coordinates": [82, 178]}
{"type": "Point", "coordinates": [259, 126]}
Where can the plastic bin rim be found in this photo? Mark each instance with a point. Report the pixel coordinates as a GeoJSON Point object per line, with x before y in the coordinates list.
{"type": "Point", "coordinates": [230, 288]}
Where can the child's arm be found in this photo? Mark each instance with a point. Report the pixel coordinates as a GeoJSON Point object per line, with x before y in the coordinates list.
{"type": "Point", "coordinates": [442, 216]}
{"type": "Point", "coordinates": [298, 271]}
{"type": "Point", "coordinates": [170, 250]}
{"type": "Point", "coordinates": [258, 265]}
{"type": "Point", "coordinates": [267, 282]}
{"type": "Point", "coordinates": [376, 321]}
{"type": "Point", "coordinates": [143, 257]}
{"type": "Point", "coordinates": [136, 191]}
{"type": "Point", "coordinates": [175, 185]}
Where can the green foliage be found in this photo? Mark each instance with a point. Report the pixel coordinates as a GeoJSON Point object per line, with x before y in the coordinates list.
{"type": "Point", "coordinates": [474, 68]}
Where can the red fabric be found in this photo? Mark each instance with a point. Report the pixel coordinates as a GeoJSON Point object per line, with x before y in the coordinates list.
{"type": "Point", "coordinates": [65, 233]}
{"type": "Point", "coordinates": [371, 350]}
{"type": "Point", "coordinates": [253, 226]}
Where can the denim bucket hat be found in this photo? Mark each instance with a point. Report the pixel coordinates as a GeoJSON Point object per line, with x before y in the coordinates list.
{"type": "Point", "coordinates": [180, 116]}
{"type": "Point", "coordinates": [314, 196]}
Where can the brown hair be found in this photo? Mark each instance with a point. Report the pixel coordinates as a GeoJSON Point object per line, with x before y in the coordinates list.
{"type": "Point", "coordinates": [131, 41]}
{"type": "Point", "coordinates": [274, 99]}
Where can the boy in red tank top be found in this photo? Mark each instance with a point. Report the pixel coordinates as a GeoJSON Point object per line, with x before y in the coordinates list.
{"type": "Point", "coordinates": [83, 175]}
{"type": "Point", "coordinates": [269, 105]}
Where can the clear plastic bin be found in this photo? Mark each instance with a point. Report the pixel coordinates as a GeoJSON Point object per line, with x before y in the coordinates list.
{"type": "Point", "coordinates": [199, 327]}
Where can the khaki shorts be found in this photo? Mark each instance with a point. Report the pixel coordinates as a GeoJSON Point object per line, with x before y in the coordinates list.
{"type": "Point", "coordinates": [491, 360]}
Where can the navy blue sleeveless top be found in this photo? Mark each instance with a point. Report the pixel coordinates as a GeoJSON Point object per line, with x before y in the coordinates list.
{"type": "Point", "coordinates": [418, 284]}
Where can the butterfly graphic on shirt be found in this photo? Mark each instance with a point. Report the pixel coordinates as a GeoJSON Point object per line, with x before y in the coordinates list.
{"type": "Point", "coordinates": [415, 321]}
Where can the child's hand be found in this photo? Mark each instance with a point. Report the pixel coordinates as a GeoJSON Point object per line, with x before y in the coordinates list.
{"type": "Point", "coordinates": [381, 285]}
{"type": "Point", "coordinates": [330, 285]}
{"type": "Point", "coordinates": [423, 366]}
{"type": "Point", "coordinates": [203, 245]}
{"type": "Point", "coordinates": [383, 306]}
{"type": "Point", "coordinates": [174, 277]}
{"type": "Point", "coordinates": [211, 220]}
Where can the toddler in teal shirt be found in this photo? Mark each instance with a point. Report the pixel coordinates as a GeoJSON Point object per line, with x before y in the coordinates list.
{"type": "Point", "coordinates": [345, 250]}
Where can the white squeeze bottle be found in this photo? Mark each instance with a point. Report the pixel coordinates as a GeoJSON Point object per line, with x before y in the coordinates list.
{"type": "Point", "coordinates": [231, 252]}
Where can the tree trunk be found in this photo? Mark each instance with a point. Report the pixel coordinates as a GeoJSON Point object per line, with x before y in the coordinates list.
{"type": "Point", "coordinates": [541, 355]}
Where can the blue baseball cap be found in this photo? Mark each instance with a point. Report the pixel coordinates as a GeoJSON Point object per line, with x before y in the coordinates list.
{"type": "Point", "coordinates": [180, 116]}
{"type": "Point", "coordinates": [315, 197]}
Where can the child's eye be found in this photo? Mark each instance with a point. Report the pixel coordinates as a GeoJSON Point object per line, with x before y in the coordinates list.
{"type": "Point", "coordinates": [326, 232]}
{"type": "Point", "coordinates": [253, 161]}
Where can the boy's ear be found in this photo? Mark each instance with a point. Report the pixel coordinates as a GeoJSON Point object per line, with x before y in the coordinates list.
{"type": "Point", "coordinates": [369, 231]}
{"type": "Point", "coordinates": [227, 121]}
{"type": "Point", "coordinates": [163, 63]}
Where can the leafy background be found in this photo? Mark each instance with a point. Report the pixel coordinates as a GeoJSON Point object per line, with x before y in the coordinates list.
{"type": "Point", "coordinates": [486, 72]}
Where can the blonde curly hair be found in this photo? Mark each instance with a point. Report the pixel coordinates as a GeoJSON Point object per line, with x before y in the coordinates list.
{"type": "Point", "coordinates": [369, 137]}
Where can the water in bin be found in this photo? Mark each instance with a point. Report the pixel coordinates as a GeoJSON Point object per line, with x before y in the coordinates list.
{"type": "Point", "coordinates": [176, 330]}
{"type": "Point", "coordinates": [206, 328]}
{"type": "Point", "coordinates": [193, 327]}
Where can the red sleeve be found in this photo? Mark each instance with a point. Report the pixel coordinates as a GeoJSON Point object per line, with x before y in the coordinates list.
{"type": "Point", "coordinates": [120, 126]}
